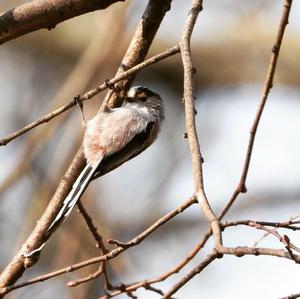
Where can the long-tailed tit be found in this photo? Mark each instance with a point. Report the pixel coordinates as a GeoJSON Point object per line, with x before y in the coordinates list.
{"type": "Point", "coordinates": [113, 137]}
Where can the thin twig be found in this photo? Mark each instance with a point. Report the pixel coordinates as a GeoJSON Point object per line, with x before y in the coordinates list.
{"type": "Point", "coordinates": [269, 78]}
{"type": "Point", "coordinates": [88, 95]}
{"type": "Point", "coordinates": [242, 183]}
{"type": "Point", "coordinates": [245, 250]}
{"type": "Point", "coordinates": [136, 53]}
{"type": "Point", "coordinates": [286, 224]}
{"type": "Point", "coordinates": [112, 254]}
{"type": "Point", "coordinates": [148, 282]}
{"type": "Point", "coordinates": [77, 282]}
{"type": "Point", "coordinates": [131, 288]}
{"type": "Point", "coordinates": [241, 186]}
{"type": "Point", "coordinates": [92, 228]}
{"type": "Point", "coordinates": [291, 221]}
{"type": "Point", "coordinates": [192, 200]}
{"type": "Point", "coordinates": [238, 252]}
{"type": "Point", "coordinates": [202, 242]}
{"type": "Point", "coordinates": [284, 239]}
{"type": "Point", "coordinates": [198, 269]}
{"type": "Point", "coordinates": [100, 244]}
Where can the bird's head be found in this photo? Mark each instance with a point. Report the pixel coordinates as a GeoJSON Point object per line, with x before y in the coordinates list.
{"type": "Point", "coordinates": [143, 97]}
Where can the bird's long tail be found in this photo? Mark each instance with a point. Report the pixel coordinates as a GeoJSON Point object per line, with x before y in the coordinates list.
{"type": "Point", "coordinates": [76, 192]}
{"type": "Point", "coordinates": [70, 201]}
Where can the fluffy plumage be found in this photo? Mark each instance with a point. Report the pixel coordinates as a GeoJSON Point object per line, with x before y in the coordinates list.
{"type": "Point", "coordinates": [113, 137]}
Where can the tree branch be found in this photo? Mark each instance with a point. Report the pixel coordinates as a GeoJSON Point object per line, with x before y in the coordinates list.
{"type": "Point", "coordinates": [239, 251]}
{"type": "Point", "coordinates": [39, 14]}
{"type": "Point", "coordinates": [135, 241]}
{"type": "Point", "coordinates": [269, 78]}
{"type": "Point", "coordinates": [198, 269]}
{"type": "Point", "coordinates": [138, 48]}
{"type": "Point", "coordinates": [189, 96]}
{"type": "Point", "coordinates": [150, 24]}
{"type": "Point", "coordinates": [241, 187]}
{"type": "Point", "coordinates": [99, 244]}
{"type": "Point", "coordinates": [88, 95]}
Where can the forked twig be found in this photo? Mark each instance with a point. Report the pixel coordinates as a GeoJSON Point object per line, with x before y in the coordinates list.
{"type": "Point", "coordinates": [112, 254]}
{"type": "Point", "coordinates": [241, 187]}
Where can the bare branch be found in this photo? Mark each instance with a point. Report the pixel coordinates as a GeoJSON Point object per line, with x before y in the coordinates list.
{"type": "Point", "coordinates": [239, 251]}
{"type": "Point", "coordinates": [286, 224]}
{"type": "Point", "coordinates": [189, 96]}
{"type": "Point", "coordinates": [96, 274]}
{"type": "Point", "coordinates": [39, 14]}
{"type": "Point", "coordinates": [135, 241]}
{"type": "Point", "coordinates": [146, 283]}
{"type": "Point", "coordinates": [198, 269]}
{"type": "Point", "coordinates": [241, 187]}
{"type": "Point", "coordinates": [269, 76]}
{"type": "Point", "coordinates": [138, 48]}
{"type": "Point", "coordinates": [92, 228]}
{"type": "Point", "coordinates": [284, 239]}
{"type": "Point", "coordinates": [39, 234]}
{"type": "Point", "coordinates": [244, 250]}
{"type": "Point", "coordinates": [100, 244]}
{"type": "Point", "coordinates": [88, 95]}
{"type": "Point", "coordinates": [291, 221]}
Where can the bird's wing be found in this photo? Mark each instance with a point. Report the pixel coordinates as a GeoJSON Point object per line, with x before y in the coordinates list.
{"type": "Point", "coordinates": [131, 149]}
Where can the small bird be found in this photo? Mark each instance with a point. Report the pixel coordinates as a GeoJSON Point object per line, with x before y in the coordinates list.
{"type": "Point", "coordinates": [114, 136]}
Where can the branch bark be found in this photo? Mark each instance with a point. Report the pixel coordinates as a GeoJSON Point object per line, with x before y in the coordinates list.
{"type": "Point", "coordinates": [241, 186]}
{"type": "Point", "coordinates": [198, 269]}
{"type": "Point", "coordinates": [88, 95]}
{"type": "Point", "coordinates": [241, 250]}
{"type": "Point", "coordinates": [39, 14]}
{"type": "Point", "coordinates": [189, 97]}
{"type": "Point", "coordinates": [138, 48]}
{"type": "Point", "coordinates": [110, 255]}
{"type": "Point", "coordinates": [147, 28]}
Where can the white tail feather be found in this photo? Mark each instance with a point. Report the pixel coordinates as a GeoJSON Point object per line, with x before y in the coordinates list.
{"type": "Point", "coordinates": [70, 201]}
{"type": "Point", "coordinates": [77, 190]}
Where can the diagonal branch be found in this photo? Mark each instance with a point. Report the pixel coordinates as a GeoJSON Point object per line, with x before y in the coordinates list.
{"type": "Point", "coordinates": [198, 269]}
{"type": "Point", "coordinates": [39, 14]}
{"type": "Point", "coordinates": [112, 254]}
{"type": "Point", "coordinates": [102, 269]}
{"type": "Point", "coordinates": [241, 187]}
{"type": "Point", "coordinates": [138, 48]}
{"type": "Point", "coordinates": [15, 269]}
{"type": "Point", "coordinates": [269, 78]}
{"type": "Point", "coordinates": [240, 251]}
{"type": "Point", "coordinates": [88, 95]}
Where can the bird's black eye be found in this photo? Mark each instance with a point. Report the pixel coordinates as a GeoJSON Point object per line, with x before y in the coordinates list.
{"type": "Point", "coordinates": [143, 99]}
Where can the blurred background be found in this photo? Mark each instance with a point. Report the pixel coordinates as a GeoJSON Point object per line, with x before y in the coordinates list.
{"type": "Point", "coordinates": [231, 49]}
